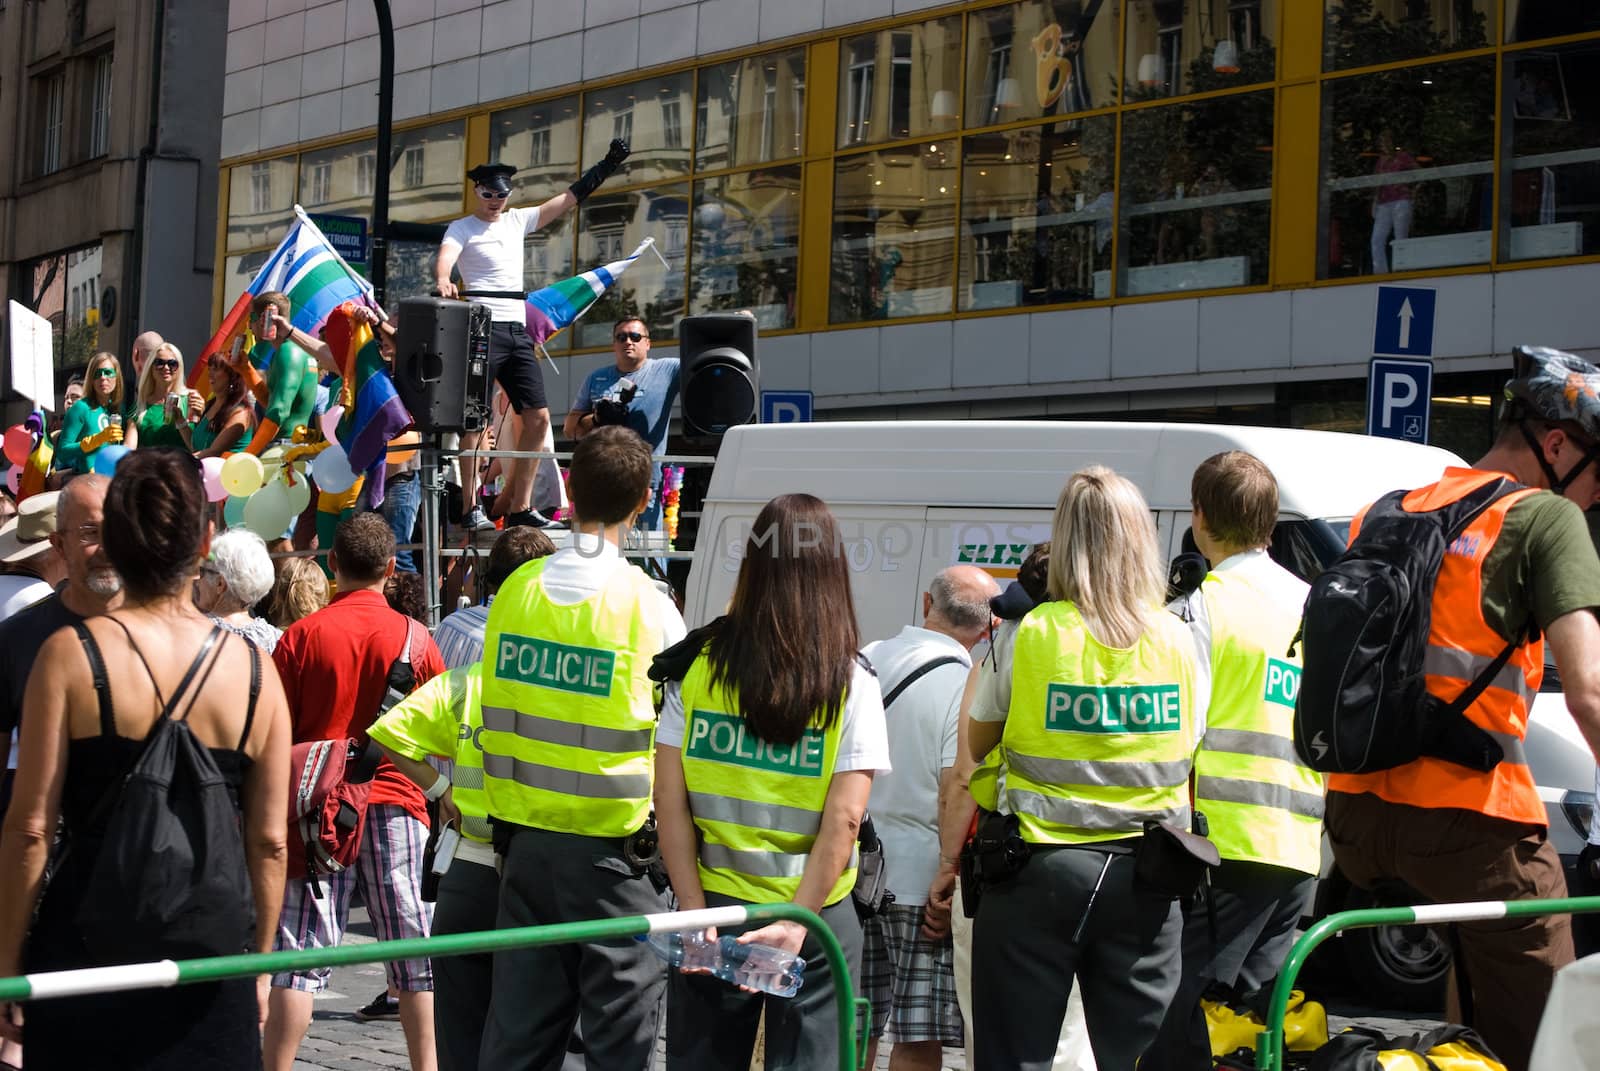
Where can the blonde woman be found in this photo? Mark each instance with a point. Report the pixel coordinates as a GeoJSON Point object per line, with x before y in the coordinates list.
{"type": "Point", "coordinates": [300, 590]}
{"type": "Point", "coordinates": [1091, 714]}
{"type": "Point", "coordinates": [88, 425]}
{"type": "Point", "coordinates": [162, 401]}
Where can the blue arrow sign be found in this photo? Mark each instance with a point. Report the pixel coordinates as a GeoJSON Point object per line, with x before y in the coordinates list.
{"type": "Point", "coordinates": [1399, 394]}
{"type": "Point", "coordinates": [1404, 323]}
{"type": "Point", "coordinates": [786, 406]}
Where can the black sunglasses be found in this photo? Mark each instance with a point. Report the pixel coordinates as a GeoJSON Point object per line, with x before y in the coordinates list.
{"type": "Point", "coordinates": [630, 336]}
{"type": "Point", "coordinates": [164, 362]}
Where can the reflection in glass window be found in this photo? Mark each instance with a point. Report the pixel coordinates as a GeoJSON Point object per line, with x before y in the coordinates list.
{"type": "Point", "coordinates": [547, 258]}
{"type": "Point", "coordinates": [1530, 20]}
{"type": "Point", "coordinates": [750, 111]}
{"type": "Point", "coordinates": [429, 171]}
{"type": "Point", "coordinates": [612, 226]}
{"type": "Point", "coordinates": [319, 183]}
{"type": "Point", "coordinates": [410, 270]}
{"type": "Point", "coordinates": [1036, 218]}
{"type": "Point", "coordinates": [892, 214]}
{"type": "Point", "coordinates": [1364, 32]}
{"type": "Point", "coordinates": [1407, 162]}
{"type": "Point", "coordinates": [1195, 46]}
{"type": "Point", "coordinates": [900, 83]}
{"type": "Point", "coordinates": [1196, 196]}
{"type": "Point", "coordinates": [541, 142]}
{"type": "Point", "coordinates": [1552, 202]}
{"type": "Point", "coordinates": [260, 202]}
{"type": "Point", "coordinates": [746, 245]}
{"type": "Point", "coordinates": [1041, 57]}
{"type": "Point", "coordinates": [366, 173]}
{"type": "Point", "coordinates": [639, 113]}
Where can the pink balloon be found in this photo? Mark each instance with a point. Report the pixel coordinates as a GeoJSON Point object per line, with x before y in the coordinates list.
{"type": "Point", "coordinates": [13, 476]}
{"type": "Point", "coordinates": [211, 474]}
{"type": "Point", "coordinates": [18, 444]}
{"type": "Point", "coordinates": [330, 423]}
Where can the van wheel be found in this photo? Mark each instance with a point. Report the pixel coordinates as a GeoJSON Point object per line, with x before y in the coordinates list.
{"type": "Point", "coordinates": [1399, 967]}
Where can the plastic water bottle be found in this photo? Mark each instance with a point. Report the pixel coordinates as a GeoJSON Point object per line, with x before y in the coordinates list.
{"type": "Point", "coordinates": [756, 966]}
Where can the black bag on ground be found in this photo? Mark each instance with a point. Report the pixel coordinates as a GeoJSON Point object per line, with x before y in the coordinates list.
{"type": "Point", "coordinates": [1363, 704]}
{"type": "Point", "coordinates": [1365, 1049]}
{"type": "Point", "coordinates": [169, 881]}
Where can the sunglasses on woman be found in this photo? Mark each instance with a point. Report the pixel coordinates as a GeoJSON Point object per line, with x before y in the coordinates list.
{"type": "Point", "coordinates": [105, 373]}
{"type": "Point", "coordinates": [168, 363]}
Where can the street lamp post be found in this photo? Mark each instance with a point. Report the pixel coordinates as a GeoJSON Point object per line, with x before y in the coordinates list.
{"type": "Point", "coordinates": [380, 185]}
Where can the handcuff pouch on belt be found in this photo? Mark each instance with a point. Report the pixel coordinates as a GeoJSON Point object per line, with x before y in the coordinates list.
{"type": "Point", "coordinates": [871, 893]}
{"type": "Point", "coordinates": [996, 852]}
{"type": "Point", "coordinates": [1172, 863]}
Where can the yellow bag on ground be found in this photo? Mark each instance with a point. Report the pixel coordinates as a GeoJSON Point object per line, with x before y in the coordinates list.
{"type": "Point", "coordinates": [1448, 1048]}
{"type": "Point", "coordinates": [1234, 1026]}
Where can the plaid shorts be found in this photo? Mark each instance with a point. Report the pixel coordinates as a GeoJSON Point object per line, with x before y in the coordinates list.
{"type": "Point", "coordinates": [388, 871]}
{"type": "Point", "coordinates": [909, 979]}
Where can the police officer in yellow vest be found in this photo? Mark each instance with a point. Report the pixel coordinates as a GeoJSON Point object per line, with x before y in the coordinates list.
{"type": "Point", "coordinates": [768, 747]}
{"type": "Point", "coordinates": [568, 761]}
{"type": "Point", "coordinates": [444, 718]}
{"type": "Point", "coordinates": [1263, 806]}
{"type": "Point", "coordinates": [1091, 716]}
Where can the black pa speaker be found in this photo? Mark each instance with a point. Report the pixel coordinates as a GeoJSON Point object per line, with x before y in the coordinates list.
{"type": "Point", "coordinates": [441, 366]}
{"type": "Point", "coordinates": [718, 376]}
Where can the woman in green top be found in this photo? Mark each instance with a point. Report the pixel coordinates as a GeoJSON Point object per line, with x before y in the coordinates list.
{"type": "Point", "coordinates": [87, 426]}
{"type": "Point", "coordinates": [154, 419]}
{"type": "Point", "coordinates": [227, 418]}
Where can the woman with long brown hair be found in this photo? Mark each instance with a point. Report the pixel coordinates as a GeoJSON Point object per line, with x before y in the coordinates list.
{"type": "Point", "coordinates": [764, 761]}
{"type": "Point", "coordinates": [227, 418]}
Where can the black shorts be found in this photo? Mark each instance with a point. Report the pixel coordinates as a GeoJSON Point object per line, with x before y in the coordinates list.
{"type": "Point", "coordinates": [513, 364]}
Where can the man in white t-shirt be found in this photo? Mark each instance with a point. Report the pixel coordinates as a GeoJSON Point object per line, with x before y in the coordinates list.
{"type": "Point", "coordinates": [486, 247]}
{"type": "Point", "coordinates": [907, 959]}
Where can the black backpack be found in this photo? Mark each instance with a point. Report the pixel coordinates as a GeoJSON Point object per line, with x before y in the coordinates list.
{"type": "Point", "coordinates": [170, 880]}
{"type": "Point", "coordinates": [1363, 704]}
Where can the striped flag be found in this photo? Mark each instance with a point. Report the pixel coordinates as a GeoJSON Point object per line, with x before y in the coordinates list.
{"type": "Point", "coordinates": [554, 307]}
{"type": "Point", "coordinates": [373, 412]}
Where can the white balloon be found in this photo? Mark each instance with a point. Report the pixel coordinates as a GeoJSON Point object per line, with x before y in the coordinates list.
{"type": "Point", "coordinates": [332, 471]}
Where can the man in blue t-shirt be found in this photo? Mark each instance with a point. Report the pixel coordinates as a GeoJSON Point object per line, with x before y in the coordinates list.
{"type": "Point", "coordinates": [637, 393]}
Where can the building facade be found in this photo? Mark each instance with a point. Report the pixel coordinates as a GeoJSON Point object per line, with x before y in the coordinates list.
{"type": "Point", "coordinates": [1154, 208]}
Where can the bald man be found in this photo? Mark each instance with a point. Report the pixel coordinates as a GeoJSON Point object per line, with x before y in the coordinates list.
{"type": "Point", "coordinates": [908, 961]}
{"type": "Point", "coordinates": [143, 347]}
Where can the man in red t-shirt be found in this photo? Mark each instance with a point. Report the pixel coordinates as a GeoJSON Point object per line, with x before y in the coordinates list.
{"type": "Point", "coordinates": [335, 667]}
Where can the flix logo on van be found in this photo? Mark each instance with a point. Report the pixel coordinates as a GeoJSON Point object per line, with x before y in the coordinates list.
{"type": "Point", "coordinates": [1120, 708]}
{"type": "Point", "coordinates": [718, 737]}
{"type": "Point", "coordinates": [1006, 554]}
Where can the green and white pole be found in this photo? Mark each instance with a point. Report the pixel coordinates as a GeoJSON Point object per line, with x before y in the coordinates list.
{"type": "Point", "coordinates": [166, 973]}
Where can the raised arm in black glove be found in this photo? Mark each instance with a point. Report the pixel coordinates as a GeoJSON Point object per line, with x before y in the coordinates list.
{"type": "Point", "coordinates": [597, 174]}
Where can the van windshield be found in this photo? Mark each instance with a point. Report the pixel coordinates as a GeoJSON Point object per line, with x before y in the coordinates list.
{"type": "Point", "coordinates": [1306, 548]}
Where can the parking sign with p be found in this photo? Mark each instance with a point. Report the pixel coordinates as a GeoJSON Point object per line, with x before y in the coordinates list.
{"type": "Point", "coordinates": [1399, 393]}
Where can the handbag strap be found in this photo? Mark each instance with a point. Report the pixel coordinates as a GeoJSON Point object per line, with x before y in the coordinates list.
{"type": "Point", "coordinates": [917, 674]}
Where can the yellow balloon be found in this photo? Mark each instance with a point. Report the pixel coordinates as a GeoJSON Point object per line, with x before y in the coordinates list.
{"type": "Point", "coordinates": [242, 475]}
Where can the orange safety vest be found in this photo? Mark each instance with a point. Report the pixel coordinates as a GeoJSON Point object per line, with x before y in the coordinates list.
{"type": "Point", "coordinates": [1460, 645]}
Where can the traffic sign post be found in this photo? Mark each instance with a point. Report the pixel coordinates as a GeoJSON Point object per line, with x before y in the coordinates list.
{"type": "Point", "coordinates": [1399, 394]}
{"type": "Point", "coordinates": [786, 406]}
{"type": "Point", "coordinates": [1403, 326]}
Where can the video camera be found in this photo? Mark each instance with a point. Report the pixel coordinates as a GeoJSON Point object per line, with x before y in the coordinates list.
{"type": "Point", "coordinates": [612, 407]}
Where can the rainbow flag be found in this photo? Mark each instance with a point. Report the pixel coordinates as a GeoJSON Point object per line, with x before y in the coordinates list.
{"type": "Point", "coordinates": [555, 307]}
{"type": "Point", "coordinates": [373, 412]}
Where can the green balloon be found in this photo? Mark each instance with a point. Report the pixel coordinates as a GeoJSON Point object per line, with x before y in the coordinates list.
{"type": "Point", "coordinates": [233, 511]}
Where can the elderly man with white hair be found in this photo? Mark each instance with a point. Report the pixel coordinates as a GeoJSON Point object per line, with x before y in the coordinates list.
{"type": "Point", "coordinates": [237, 575]}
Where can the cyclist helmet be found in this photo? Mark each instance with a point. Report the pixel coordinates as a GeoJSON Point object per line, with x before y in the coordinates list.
{"type": "Point", "coordinates": [1560, 388]}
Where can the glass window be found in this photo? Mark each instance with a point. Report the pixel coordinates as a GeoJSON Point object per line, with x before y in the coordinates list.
{"type": "Point", "coordinates": [638, 114]}
{"type": "Point", "coordinates": [100, 107]}
{"type": "Point", "coordinates": [612, 226]}
{"type": "Point", "coordinates": [1407, 169]}
{"type": "Point", "coordinates": [1196, 195]}
{"type": "Point", "coordinates": [409, 270]}
{"type": "Point", "coordinates": [892, 214]}
{"type": "Point", "coordinates": [1194, 46]}
{"type": "Point", "coordinates": [900, 83]}
{"type": "Point", "coordinates": [1036, 217]}
{"type": "Point", "coordinates": [429, 172]}
{"type": "Point", "coordinates": [319, 184]}
{"type": "Point", "coordinates": [49, 97]}
{"type": "Point", "coordinates": [746, 245]}
{"type": "Point", "coordinates": [1041, 57]}
{"type": "Point", "coordinates": [750, 111]}
{"type": "Point", "coordinates": [64, 288]}
{"type": "Point", "coordinates": [541, 142]}
{"type": "Point", "coordinates": [1364, 32]}
{"type": "Point", "coordinates": [1552, 202]}
{"type": "Point", "coordinates": [260, 202]}
{"type": "Point", "coordinates": [1529, 20]}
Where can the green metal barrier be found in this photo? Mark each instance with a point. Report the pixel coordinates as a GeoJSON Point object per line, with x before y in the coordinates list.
{"type": "Point", "coordinates": [1269, 1043]}
{"type": "Point", "coordinates": [167, 973]}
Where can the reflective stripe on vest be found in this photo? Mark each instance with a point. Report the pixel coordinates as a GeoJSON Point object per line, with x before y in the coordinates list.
{"type": "Point", "coordinates": [568, 713]}
{"type": "Point", "coordinates": [757, 806]}
{"type": "Point", "coordinates": [1092, 762]}
{"type": "Point", "coordinates": [1460, 644]}
{"type": "Point", "coordinates": [1263, 805]}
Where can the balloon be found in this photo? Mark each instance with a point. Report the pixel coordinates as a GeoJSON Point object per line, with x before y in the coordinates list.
{"type": "Point", "coordinates": [211, 475]}
{"type": "Point", "coordinates": [331, 470]}
{"type": "Point", "coordinates": [330, 423]}
{"type": "Point", "coordinates": [400, 457]}
{"type": "Point", "coordinates": [233, 511]}
{"type": "Point", "coordinates": [13, 478]}
{"type": "Point", "coordinates": [299, 494]}
{"type": "Point", "coordinates": [104, 460]}
{"type": "Point", "coordinates": [271, 460]}
{"type": "Point", "coordinates": [267, 512]}
{"type": "Point", "coordinates": [18, 444]}
{"type": "Point", "coordinates": [242, 475]}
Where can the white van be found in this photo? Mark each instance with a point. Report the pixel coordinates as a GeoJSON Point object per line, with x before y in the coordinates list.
{"type": "Point", "coordinates": [913, 497]}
